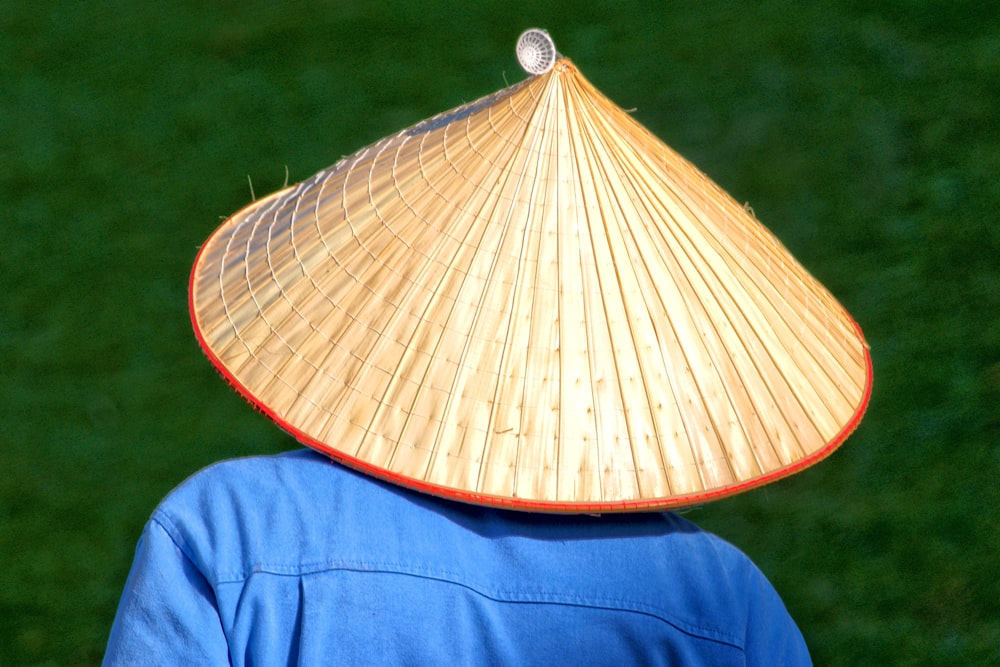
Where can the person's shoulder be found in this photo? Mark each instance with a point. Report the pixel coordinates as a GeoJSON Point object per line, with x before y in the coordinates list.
{"type": "Point", "coordinates": [250, 476]}
{"type": "Point", "coordinates": [684, 535]}
{"type": "Point", "coordinates": [724, 556]}
{"type": "Point", "coordinates": [714, 572]}
{"type": "Point", "coordinates": [711, 545]}
{"type": "Point", "coordinates": [216, 512]}
{"type": "Point", "coordinates": [254, 467]}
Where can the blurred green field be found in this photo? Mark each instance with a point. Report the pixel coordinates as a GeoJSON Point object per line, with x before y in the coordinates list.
{"type": "Point", "coordinates": [867, 136]}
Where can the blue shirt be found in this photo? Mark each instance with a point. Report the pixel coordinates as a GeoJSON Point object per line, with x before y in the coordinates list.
{"type": "Point", "coordinates": [294, 559]}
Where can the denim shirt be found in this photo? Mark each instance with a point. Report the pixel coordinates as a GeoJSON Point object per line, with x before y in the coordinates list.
{"type": "Point", "coordinates": [293, 559]}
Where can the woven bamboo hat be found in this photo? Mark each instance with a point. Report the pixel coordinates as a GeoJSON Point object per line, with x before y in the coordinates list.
{"type": "Point", "coordinates": [530, 301]}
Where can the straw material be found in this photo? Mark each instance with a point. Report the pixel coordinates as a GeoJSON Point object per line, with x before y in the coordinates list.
{"type": "Point", "coordinates": [530, 301]}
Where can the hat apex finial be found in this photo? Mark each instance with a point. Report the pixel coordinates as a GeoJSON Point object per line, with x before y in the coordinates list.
{"type": "Point", "coordinates": [536, 51]}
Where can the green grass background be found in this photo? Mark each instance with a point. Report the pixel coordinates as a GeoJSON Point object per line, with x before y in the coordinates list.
{"type": "Point", "coordinates": [864, 134]}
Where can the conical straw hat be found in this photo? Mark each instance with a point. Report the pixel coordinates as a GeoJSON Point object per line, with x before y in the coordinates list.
{"type": "Point", "coordinates": [530, 301]}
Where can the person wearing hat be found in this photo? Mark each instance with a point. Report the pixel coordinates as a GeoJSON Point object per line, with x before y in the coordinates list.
{"type": "Point", "coordinates": [513, 337]}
